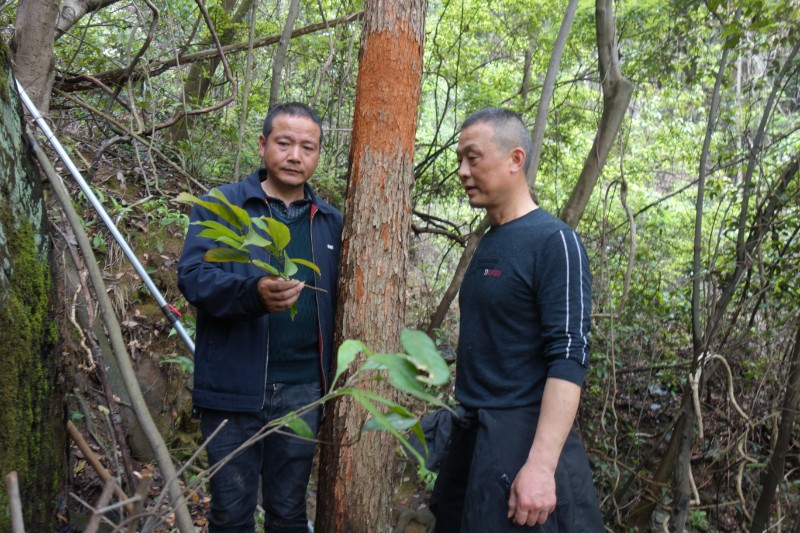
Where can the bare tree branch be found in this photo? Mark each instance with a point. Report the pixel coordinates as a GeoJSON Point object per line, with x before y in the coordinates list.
{"type": "Point", "coordinates": [81, 83]}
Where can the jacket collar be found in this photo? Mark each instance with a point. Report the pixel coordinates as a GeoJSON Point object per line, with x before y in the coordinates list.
{"type": "Point", "coordinates": [253, 190]}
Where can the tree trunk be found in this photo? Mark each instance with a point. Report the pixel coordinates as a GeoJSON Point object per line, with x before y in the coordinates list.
{"type": "Point", "coordinates": [773, 475]}
{"type": "Point", "coordinates": [617, 92]}
{"type": "Point", "coordinates": [280, 54]}
{"type": "Point", "coordinates": [537, 135]}
{"type": "Point", "coordinates": [355, 481]}
{"type": "Point", "coordinates": [32, 440]}
{"type": "Point", "coordinates": [32, 46]}
{"type": "Point", "coordinates": [71, 11]}
{"type": "Point", "coordinates": [198, 80]}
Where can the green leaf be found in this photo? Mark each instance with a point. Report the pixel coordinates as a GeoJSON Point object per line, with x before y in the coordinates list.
{"type": "Point", "coordinates": [221, 229]}
{"type": "Point", "coordinates": [289, 268]}
{"type": "Point", "coordinates": [293, 310]}
{"type": "Point", "coordinates": [308, 264]}
{"type": "Point", "coordinates": [263, 265]}
{"type": "Point", "coordinates": [260, 224]}
{"type": "Point", "coordinates": [423, 353]}
{"type": "Point", "coordinates": [359, 396]}
{"type": "Point", "coordinates": [346, 354]}
{"type": "Point", "coordinates": [222, 255]}
{"type": "Point", "coordinates": [233, 242]}
{"type": "Point", "coordinates": [299, 426]}
{"type": "Point", "coordinates": [293, 421]}
{"type": "Point", "coordinates": [402, 375]}
{"type": "Point", "coordinates": [401, 372]}
{"type": "Point", "coordinates": [241, 214]}
{"type": "Point", "coordinates": [253, 238]}
{"type": "Point", "coordinates": [221, 210]}
{"type": "Point", "coordinates": [399, 419]}
{"type": "Point", "coordinates": [279, 233]}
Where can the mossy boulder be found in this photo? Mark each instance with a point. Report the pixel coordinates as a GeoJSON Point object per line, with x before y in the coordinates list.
{"type": "Point", "coordinates": [32, 441]}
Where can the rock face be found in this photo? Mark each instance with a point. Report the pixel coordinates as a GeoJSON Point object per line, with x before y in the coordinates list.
{"type": "Point", "coordinates": [32, 440]}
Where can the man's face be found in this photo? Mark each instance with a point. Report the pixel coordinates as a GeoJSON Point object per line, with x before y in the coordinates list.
{"type": "Point", "coordinates": [484, 169]}
{"type": "Point", "coordinates": [291, 152]}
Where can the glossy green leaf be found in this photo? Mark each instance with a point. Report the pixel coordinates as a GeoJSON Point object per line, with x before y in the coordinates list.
{"type": "Point", "coordinates": [263, 265]}
{"type": "Point", "coordinates": [221, 237]}
{"type": "Point", "coordinates": [346, 354]}
{"type": "Point", "coordinates": [233, 243]}
{"type": "Point", "coordinates": [308, 264]}
{"type": "Point", "coordinates": [260, 224]}
{"type": "Point", "coordinates": [279, 233]}
{"type": "Point", "coordinates": [221, 210]}
{"type": "Point", "coordinates": [402, 374]}
{"type": "Point", "coordinates": [423, 353]}
{"type": "Point", "coordinates": [400, 420]}
{"type": "Point", "coordinates": [299, 426]}
{"type": "Point", "coordinates": [293, 311]}
{"type": "Point", "coordinates": [222, 255]}
{"type": "Point", "coordinates": [241, 214]}
{"type": "Point", "coordinates": [380, 419]}
{"type": "Point", "coordinates": [289, 268]}
{"type": "Point", "coordinates": [222, 229]}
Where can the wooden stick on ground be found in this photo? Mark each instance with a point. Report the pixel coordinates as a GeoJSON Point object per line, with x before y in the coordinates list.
{"type": "Point", "coordinates": [95, 463]}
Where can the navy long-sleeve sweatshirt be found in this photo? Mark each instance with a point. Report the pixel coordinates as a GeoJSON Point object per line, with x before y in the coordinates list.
{"type": "Point", "coordinates": [525, 303]}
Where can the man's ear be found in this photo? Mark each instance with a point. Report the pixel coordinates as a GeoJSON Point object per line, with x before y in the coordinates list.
{"type": "Point", "coordinates": [518, 157]}
{"type": "Point", "coordinates": [262, 144]}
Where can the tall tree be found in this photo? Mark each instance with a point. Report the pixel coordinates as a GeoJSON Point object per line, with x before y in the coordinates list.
{"type": "Point", "coordinates": [34, 33]}
{"type": "Point", "coordinates": [32, 417]}
{"type": "Point", "coordinates": [355, 480]}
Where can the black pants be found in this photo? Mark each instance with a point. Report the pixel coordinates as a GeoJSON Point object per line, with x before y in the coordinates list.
{"type": "Point", "coordinates": [487, 450]}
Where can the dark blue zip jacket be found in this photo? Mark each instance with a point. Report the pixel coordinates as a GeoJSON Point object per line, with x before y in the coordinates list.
{"type": "Point", "coordinates": [231, 352]}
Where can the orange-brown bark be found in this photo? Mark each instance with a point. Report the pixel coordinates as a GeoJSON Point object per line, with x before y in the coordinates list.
{"type": "Point", "coordinates": [355, 480]}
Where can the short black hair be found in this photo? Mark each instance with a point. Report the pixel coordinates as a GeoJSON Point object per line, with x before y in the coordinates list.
{"type": "Point", "coordinates": [293, 109]}
{"type": "Point", "coordinates": [509, 129]}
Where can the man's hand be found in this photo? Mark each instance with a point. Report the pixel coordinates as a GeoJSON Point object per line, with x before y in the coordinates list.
{"type": "Point", "coordinates": [533, 495]}
{"type": "Point", "coordinates": [278, 294]}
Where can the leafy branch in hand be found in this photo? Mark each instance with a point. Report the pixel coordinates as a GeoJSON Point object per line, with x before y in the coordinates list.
{"type": "Point", "coordinates": [245, 231]}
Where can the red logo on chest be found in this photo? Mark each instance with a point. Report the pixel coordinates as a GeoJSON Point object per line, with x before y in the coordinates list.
{"type": "Point", "coordinates": [492, 273]}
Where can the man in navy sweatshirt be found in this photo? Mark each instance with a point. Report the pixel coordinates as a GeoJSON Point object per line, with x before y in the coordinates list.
{"type": "Point", "coordinates": [516, 463]}
{"type": "Point", "coordinates": [253, 362]}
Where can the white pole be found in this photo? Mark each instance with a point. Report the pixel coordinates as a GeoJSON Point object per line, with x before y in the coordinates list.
{"type": "Point", "coordinates": [168, 311]}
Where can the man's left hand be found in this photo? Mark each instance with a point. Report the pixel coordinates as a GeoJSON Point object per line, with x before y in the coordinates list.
{"type": "Point", "coordinates": [533, 495]}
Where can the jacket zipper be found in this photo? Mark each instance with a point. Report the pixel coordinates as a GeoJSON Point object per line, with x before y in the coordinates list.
{"type": "Point", "coordinates": [316, 299]}
{"type": "Point", "coordinates": [266, 344]}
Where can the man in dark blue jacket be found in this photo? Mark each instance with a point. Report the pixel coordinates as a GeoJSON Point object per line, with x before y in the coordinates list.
{"type": "Point", "coordinates": [253, 362]}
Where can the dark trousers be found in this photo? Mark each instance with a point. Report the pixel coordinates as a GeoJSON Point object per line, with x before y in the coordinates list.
{"type": "Point", "coordinates": [282, 461]}
{"type": "Point", "coordinates": [487, 449]}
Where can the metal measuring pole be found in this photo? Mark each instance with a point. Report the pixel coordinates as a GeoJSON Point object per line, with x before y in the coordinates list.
{"type": "Point", "coordinates": [167, 309]}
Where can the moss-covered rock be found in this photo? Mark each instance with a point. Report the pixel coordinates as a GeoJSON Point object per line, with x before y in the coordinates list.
{"type": "Point", "coordinates": [32, 440]}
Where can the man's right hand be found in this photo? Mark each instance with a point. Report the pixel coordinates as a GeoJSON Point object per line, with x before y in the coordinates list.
{"type": "Point", "coordinates": [278, 294]}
